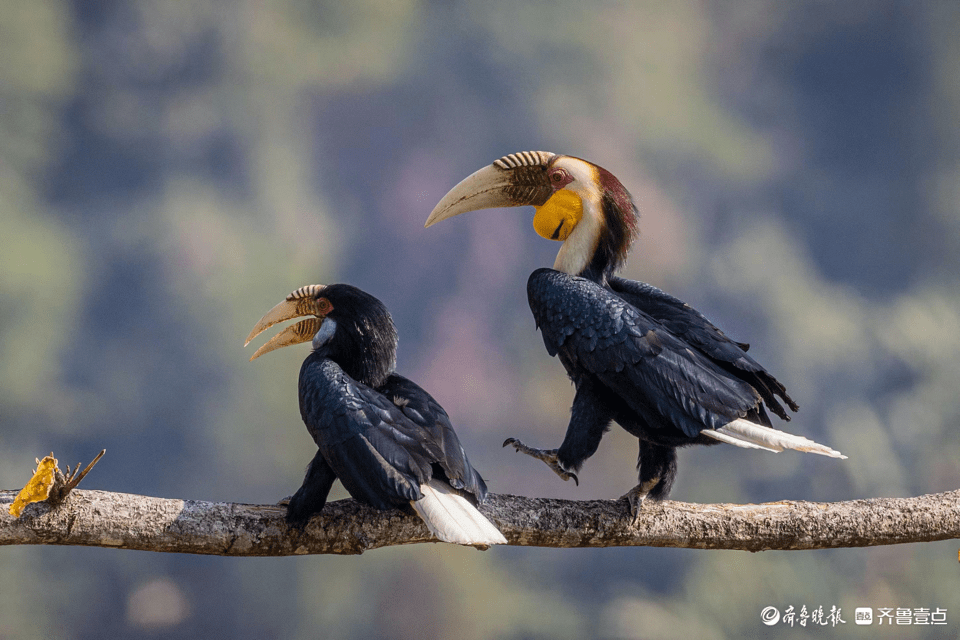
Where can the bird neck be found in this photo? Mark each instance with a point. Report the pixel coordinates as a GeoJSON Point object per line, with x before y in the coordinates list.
{"type": "Point", "coordinates": [580, 246]}
{"type": "Point", "coordinates": [365, 350]}
{"type": "Point", "coordinates": [598, 246]}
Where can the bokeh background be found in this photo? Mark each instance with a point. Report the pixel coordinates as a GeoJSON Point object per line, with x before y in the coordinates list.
{"type": "Point", "coordinates": [170, 170]}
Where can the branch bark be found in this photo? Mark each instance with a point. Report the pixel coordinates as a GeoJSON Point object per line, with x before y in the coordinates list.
{"type": "Point", "coordinates": [126, 521]}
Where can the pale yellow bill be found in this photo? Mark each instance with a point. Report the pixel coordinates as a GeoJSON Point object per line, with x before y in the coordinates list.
{"type": "Point", "coordinates": [302, 331]}
{"type": "Point", "coordinates": [292, 307]}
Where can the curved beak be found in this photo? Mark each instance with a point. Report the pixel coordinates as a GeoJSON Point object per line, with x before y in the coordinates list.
{"type": "Point", "coordinates": [303, 331]}
{"type": "Point", "coordinates": [512, 181]}
{"type": "Point", "coordinates": [302, 302]}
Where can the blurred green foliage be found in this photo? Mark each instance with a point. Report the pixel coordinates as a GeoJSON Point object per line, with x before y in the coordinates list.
{"type": "Point", "coordinates": [169, 171]}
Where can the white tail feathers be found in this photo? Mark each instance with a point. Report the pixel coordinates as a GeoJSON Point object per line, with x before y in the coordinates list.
{"type": "Point", "coordinates": [750, 435]}
{"type": "Point", "coordinates": [452, 518]}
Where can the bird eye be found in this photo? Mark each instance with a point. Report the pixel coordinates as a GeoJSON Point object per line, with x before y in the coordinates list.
{"type": "Point", "coordinates": [323, 306]}
{"type": "Point", "coordinates": [557, 176]}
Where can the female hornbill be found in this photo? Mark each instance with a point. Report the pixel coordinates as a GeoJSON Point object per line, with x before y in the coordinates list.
{"type": "Point", "coordinates": [387, 440]}
{"type": "Point", "coordinates": [636, 355]}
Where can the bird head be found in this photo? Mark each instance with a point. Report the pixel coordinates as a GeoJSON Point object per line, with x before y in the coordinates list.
{"type": "Point", "coordinates": [346, 324]}
{"type": "Point", "coordinates": [576, 202]}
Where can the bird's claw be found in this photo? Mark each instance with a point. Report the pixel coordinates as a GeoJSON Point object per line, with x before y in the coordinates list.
{"type": "Point", "coordinates": [636, 496]}
{"type": "Point", "coordinates": [284, 502]}
{"type": "Point", "coordinates": [548, 456]}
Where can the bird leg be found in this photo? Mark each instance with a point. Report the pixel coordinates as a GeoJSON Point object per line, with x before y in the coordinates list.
{"type": "Point", "coordinates": [548, 456]}
{"type": "Point", "coordinates": [637, 495]}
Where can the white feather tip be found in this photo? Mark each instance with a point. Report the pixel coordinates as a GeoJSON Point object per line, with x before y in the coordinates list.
{"type": "Point", "coordinates": [452, 518]}
{"type": "Point", "coordinates": [742, 433]}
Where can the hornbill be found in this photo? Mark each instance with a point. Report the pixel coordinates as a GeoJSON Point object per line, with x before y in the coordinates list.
{"type": "Point", "coordinates": [635, 354]}
{"type": "Point", "coordinates": [387, 440]}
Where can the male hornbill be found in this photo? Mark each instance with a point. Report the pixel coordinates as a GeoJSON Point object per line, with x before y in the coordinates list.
{"type": "Point", "coordinates": [636, 355]}
{"type": "Point", "coordinates": [387, 440]}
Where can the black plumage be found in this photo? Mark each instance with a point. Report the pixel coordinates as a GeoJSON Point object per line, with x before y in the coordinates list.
{"type": "Point", "coordinates": [380, 450]}
{"type": "Point", "coordinates": [636, 355]}
{"type": "Point", "coordinates": [692, 327]}
{"type": "Point", "coordinates": [385, 438]}
{"type": "Point", "coordinates": [629, 366]}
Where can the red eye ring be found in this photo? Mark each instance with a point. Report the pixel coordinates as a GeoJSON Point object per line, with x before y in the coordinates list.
{"type": "Point", "coordinates": [323, 306]}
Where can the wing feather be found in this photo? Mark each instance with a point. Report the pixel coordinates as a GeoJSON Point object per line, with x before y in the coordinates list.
{"type": "Point", "coordinates": [444, 445]}
{"type": "Point", "coordinates": [379, 455]}
{"type": "Point", "coordinates": [694, 328]}
{"type": "Point", "coordinates": [666, 380]}
{"type": "Point", "coordinates": [383, 444]}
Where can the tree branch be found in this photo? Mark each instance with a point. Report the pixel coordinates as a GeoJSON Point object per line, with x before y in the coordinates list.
{"type": "Point", "coordinates": [126, 521]}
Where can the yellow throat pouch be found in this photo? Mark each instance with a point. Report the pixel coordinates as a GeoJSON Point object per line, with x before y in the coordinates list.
{"type": "Point", "coordinates": [558, 216]}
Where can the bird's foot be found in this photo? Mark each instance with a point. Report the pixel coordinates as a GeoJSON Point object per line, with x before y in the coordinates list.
{"type": "Point", "coordinates": [299, 512]}
{"type": "Point", "coordinates": [548, 456]}
{"type": "Point", "coordinates": [637, 495]}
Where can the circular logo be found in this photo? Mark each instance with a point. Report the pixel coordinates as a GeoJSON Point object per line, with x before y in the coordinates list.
{"type": "Point", "coordinates": [770, 616]}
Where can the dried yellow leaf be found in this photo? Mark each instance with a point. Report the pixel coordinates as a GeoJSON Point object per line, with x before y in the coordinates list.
{"type": "Point", "coordinates": [38, 489]}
